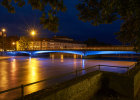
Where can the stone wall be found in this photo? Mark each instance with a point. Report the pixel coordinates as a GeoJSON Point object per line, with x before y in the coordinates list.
{"type": "Point", "coordinates": [136, 83]}
{"type": "Point", "coordinates": [81, 88]}
{"type": "Point", "coordinates": [127, 84]}
{"type": "Point", "coordinates": [120, 83]}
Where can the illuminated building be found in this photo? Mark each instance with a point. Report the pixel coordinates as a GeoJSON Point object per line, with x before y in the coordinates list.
{"type": "Point", "coordinates": [53, 43]}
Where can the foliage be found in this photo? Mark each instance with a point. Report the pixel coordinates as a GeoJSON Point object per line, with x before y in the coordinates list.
{"type": "Point", "coordinates": [23, 43]}
{"type": "Point", "coordinates": [94, 42]}
{"type": "Point", "coordinates": [106, 11]}
{"type": "Point", "coordinates": [49, 9]}
{"type": "Point", "coordinates": [8, 42]}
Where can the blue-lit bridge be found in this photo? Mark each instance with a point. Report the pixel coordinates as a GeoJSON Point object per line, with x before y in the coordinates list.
{"type": "Point", "coordinates": [81, 51]}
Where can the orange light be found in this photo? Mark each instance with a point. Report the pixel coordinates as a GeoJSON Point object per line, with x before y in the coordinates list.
{"type": "Point", "coordinates": [3, 30]}
{"type": "Point", "coordinates": [33, 32]}
{"type": "Point", "coordinates": [13, 43]}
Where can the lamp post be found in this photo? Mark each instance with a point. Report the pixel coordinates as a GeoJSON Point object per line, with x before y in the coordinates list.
{"type": "Point", "coordinates": [14, 44]}
{"type": "Point", "coordinates": [33, 34]}
{"type": "Point", "coordinates": [3, 31]}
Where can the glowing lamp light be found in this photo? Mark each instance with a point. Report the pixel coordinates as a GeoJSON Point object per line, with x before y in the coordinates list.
{"type": "Point", "coordinates": [33, 32]}
{"type": "Point", "coordinates": [13, 43]}
{"type": "Point", "coordinates": [3, 30]}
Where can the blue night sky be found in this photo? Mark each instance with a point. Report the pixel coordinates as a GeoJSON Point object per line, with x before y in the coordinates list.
{"type": "Point", "coordinates": [70, 25]}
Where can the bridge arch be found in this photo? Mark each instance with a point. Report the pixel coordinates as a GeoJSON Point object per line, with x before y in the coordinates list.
{"type": "Point", "coordinates": [69, 52]}
{"type": "Point", "coordinates": [109, 52]}
{"type": "Point", "coordinates": [14, 53]}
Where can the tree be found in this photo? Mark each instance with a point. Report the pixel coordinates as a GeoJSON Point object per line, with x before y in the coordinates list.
{"type": "Point", "coordinates": [23, 43]}
{"type": "Point", "coordinates": [8, 42]}
{"type": "Point", "coordinates": [0, 43]}
{"type": "Point", "coordinates": [106, 11]}
{"type": "Point", "coordinates": [49, 18]}
{"type": "Point", "coordinates": [94, 42]}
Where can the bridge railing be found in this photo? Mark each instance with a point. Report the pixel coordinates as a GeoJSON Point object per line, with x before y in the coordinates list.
{"type": "Point", "coordinates": [60, 76]}
{"type": "Point", "coordinates": [110, 48]}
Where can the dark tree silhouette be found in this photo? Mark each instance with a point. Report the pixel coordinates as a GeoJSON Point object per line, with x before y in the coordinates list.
{"type": "Point", "coordinates": [49, 17]}
{"type": "Point", "coordinates": [94, 42]}
{"type": "Point", "coordinates": [106, 11]}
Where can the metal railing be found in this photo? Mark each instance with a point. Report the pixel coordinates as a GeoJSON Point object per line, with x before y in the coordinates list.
{"type": "Point", "coordinates": [98, 48]}
{"type": "Point", "coordinates": [134, 67]}
{"type": "Point", "coordinates": [60, 76]}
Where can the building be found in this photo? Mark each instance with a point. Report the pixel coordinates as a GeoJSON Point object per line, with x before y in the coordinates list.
{"type": "Point", "coordinates": [2, 41]}
{"type": "Point", "coordinates": [57, 42]}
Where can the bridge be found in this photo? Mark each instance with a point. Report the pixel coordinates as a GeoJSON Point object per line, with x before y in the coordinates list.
{"type": "Point", "coordinates": [81, 51]}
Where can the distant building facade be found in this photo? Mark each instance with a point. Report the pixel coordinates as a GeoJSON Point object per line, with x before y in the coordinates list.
{"type": "Point", "coordinates": [57, 42]}
{"type": "Point", "coordinates": [2, 40]}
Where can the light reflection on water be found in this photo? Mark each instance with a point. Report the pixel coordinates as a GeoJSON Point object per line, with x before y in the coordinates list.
{"type": "Point", "coordinates": [83, 66]}
{"type": "Point", "coordinates": [32, 75]}
{"type": "Point", "coordinates": [62, 58]}
{"type": "Point", "coordinates": [15, 71]}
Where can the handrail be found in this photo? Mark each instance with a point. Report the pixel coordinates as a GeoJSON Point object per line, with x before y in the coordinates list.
{"type": "Point", "coordinates": [116, 66]}
{"type": "Point", "coordinates": [132, 66]}
{"type": "Point", "coordinates": [54, 77]}
{"type": "Point", "coordinates": [120, 48]}
{"type": "Point", "coordinates": [10, 89]}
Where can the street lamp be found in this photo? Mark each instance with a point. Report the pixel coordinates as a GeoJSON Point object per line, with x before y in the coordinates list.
{"type": "Point", "coordinates": [13, 43]}
{"type": "Point", "coordinates": [3, 31]}
{"type": "Point", "coordinates": [33, 32]}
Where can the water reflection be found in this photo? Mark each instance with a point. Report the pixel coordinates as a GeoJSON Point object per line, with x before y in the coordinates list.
{"type": "Point", "coordinates": [62, 58]}
{"type": "Point", "coordinates": [52, 57]}
{"type": "Point", "coordinates": [74, 63]}
{"type": "Point", "coordinates": [3, 75]}
{"type": "Point", "coordinates": [30, 59]}
{"type": "Point", "coordinates": [74, 56]}
{"type": "Point", "coordinates": [83, 63]}
{"type": "Point", "coordinates": [13, 69]}
{"type": "Point", "coordinates": [83, 66]}
{"type": "Point", "coordinates": [81, 56]}
{"type": "Point", "coordinates": [33, 75]}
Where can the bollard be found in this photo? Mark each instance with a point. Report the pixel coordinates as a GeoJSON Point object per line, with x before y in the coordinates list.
{"type": "Point", "coordinates": [22, 92]}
